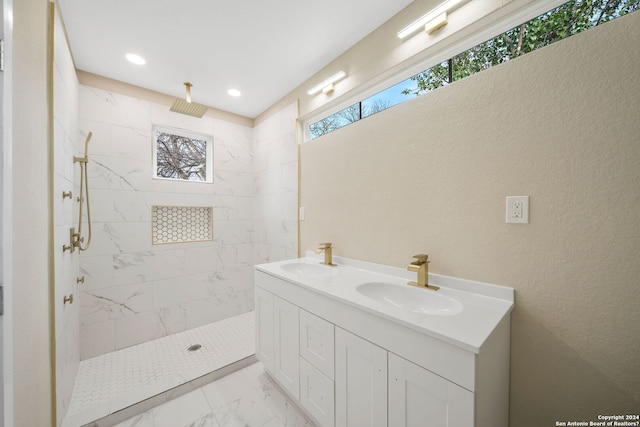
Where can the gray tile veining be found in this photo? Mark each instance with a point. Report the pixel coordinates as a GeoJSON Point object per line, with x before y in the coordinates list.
{"type": "Point", "coordinates": [245, 398]}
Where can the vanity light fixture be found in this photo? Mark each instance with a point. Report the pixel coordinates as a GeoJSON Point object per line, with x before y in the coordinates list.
{"type": "Point", "coordinates": [430, 16]}
{"type": "Point", "coordinates": [328, 89]}
{"type": "Point", "coordinates": [436, 23]}
{"type": "Point", "coordinates": [135, 59]}
{"type": "Point", "coordinates": [327, 85]}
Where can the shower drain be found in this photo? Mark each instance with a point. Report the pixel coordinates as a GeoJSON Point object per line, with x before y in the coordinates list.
{"type": "Point", "coordinates": [194, 347]}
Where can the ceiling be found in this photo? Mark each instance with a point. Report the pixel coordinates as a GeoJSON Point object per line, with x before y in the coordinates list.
{"type": "Point", "coordinates": [264, 49]}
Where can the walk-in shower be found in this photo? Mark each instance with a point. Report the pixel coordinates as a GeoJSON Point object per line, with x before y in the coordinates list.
{"type": "Point", "coordinates": [138, 297]}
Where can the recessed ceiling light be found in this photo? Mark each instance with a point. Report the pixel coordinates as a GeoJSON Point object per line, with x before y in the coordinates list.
{"type": "Point", "coordinates": [136, 59]}
{"type": "Point", "coordinates": [234, 92]}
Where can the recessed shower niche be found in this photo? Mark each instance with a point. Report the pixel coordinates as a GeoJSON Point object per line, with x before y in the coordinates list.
{"type": "Point", "coordinates": [181, 224]}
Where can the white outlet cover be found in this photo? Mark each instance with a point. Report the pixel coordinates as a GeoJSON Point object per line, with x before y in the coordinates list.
{"type": "Point", "coordinates": [512, 212]}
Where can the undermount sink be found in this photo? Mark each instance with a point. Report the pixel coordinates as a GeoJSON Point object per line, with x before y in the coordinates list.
{"type": "Point", "coordinates": [410, 298]}
{"type": "Point", "coordinates": [311, 270]}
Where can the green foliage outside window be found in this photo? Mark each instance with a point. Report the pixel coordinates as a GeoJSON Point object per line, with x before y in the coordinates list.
{"type": "Point", "coordinates": [564, 21]}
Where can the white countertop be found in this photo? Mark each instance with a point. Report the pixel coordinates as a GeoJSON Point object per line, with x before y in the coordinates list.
{"type": "Point", "coordinates": [485, 305]}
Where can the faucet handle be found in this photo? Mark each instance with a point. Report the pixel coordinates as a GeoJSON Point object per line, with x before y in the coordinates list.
{"type": "Point", "coordinates": [326, 245]}
{"type": "Point", "coordinates": [420, 259]}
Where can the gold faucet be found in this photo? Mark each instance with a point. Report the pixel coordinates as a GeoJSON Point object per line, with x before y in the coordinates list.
{"type": "Point", "coordinates": [421, 266]}
{"type": "Point", "coordinates": [326, 247]}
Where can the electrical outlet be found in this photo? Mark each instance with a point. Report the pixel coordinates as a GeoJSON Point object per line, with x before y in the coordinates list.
{"type": "Point", "coordinates": [518, 209]}
{"type": "Point", "coordinates": [301, 213]}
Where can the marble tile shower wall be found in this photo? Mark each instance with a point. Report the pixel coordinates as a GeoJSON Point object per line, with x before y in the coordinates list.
{"type": "Point", "coordinates": [67, 142]}
{"type": "Point", "coordinates": [135, 291]}
{"type": "Point", "coordinates": [276, 200]}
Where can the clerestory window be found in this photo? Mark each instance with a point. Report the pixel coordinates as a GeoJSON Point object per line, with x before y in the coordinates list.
{"type": "Point", "coordinates": [559, 23]}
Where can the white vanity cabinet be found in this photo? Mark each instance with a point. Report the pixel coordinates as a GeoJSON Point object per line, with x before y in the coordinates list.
{"type": "Point", "coordinates": [317, 342]}
{"type": "Point", "coordinates": [347, 365]}
{"type": "Point", "coordinates": [317, 391]}
{"type": "Point", "coordinates": [416, 395]}
{"type": "Point", "coordinates": [277, 339]}
{"type": "Point", "coordinates": [265, 346]}
{"type": "Point", "coordinates": [361, 382]}
{"type": "Point", "coordinates": [317, 394]}
{"type": "Point", "coordinates": [287, 368]}
{"type": "Point", "coordinates": [297, 349]}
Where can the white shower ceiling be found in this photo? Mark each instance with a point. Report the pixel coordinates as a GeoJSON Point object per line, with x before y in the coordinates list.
{"type": "Point", "coordinates": [265, 49]}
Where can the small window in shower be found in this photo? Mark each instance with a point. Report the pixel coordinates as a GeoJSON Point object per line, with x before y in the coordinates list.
{"type": "Point", "coordinates": [182, 155]}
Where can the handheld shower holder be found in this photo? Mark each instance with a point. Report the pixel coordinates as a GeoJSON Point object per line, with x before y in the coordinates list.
{"type": "Point", "coordinates": [76, 240]}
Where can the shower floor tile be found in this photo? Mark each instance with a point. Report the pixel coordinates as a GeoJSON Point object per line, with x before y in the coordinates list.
{"type": "Point", "coordinates": [111, 382]}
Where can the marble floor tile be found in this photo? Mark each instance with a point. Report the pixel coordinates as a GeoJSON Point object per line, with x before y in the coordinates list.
{"type": "Point", "coordinates": [182, 411]}
{"type": "Point", "coordinates": [143, 420]}
{"type": "Point", "coordinates": [245, 398]}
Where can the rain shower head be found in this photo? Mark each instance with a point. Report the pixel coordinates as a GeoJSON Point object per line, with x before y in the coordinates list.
{"type": "Point", "coordinates": [186, 106]}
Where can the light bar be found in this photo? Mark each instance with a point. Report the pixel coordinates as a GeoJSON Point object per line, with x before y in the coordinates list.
{"type": "Point", "coordinates": [437, 23]}
{"type": "Point", "coordinates": [430, 16]}
{"type": "Point", "coordinates": [317, 88]}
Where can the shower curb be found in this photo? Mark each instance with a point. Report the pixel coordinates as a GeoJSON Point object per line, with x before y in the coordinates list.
{"type": "Point", "coordinates": [172, 393]}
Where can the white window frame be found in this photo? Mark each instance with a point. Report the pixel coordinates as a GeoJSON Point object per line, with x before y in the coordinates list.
{"type": "Point", "coordinates": [188, 134]}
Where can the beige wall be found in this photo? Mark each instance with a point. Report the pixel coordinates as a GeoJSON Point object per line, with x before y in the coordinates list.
{"type": "Point", "coordinates": [431, 175]}
{"type": "Point", "coordinates": [31, 310]}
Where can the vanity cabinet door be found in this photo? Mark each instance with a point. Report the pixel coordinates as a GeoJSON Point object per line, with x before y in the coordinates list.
{"type": "Point", "coordinates": [287, 347]}
{"type": "Point", "coordinates": [265, 350]}
{"type": "Point", "coordinates": [317, 393]}
{"type": "Point", "coordinates": [317, 342]}
{"type": "Point", "coordinates": [361, 382]}
{"type": "Point", "coordinates": [418, 398]}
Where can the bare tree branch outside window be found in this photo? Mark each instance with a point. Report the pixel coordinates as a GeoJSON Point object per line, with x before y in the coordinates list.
{"type": "Point", "coordinates": [180, 157]}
